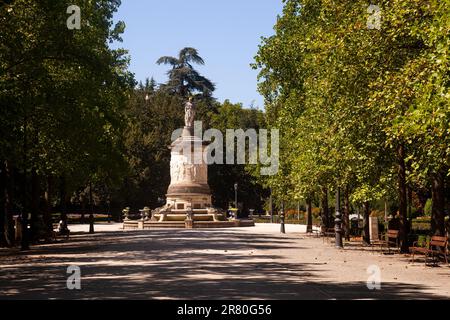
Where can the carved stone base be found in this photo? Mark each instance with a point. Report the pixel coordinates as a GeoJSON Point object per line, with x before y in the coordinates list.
{"type": "Point", "coordinates": [163, 217]}
{"type": "Point", "coordinates": [189, 224]}
{"type": "Point", "coordinates": [181, 201]}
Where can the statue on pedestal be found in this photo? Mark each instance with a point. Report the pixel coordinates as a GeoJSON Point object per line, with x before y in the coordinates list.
{"type": "Point", "coordinates": [189, 114]}
{"type": "Point", "coordinates": [188, 192]}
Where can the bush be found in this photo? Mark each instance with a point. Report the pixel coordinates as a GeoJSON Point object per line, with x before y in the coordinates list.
{"type": "Point", "coordinates": [428, 207]}
{"type": "Point", "coordinates": [292, 213]}
{"type": "Point", "coordinates": [415, 213]}
{"type": "Point", "coordinates": [315, 212]}
{"type": "Point", "coordinates": [421, 224]}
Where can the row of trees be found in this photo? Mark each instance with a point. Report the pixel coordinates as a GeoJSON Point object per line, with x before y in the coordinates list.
{"type": "Point", "coordinates": [62, 95]}
{"type": "Point", "coordinates": [76, 131]}
{"type": "Point", "coordinates": [361, 108]}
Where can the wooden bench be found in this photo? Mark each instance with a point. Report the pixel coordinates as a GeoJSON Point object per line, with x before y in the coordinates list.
{"type": "Point", "coordinates": [328, 233]}
{"type": "Point", "coordinates": [392, 237]}
{"type": "Point", "coordinates": [56, 233]}
{"type": "Point", "coordinates": [315, 232]}
{"type": "Point", "coordinates": [438, 246]}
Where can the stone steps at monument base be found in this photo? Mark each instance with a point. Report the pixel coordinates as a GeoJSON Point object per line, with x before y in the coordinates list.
{"type": "Point", "coordinates": [137, 225]}
{"type": "Point", "coordinates": [165, 225]}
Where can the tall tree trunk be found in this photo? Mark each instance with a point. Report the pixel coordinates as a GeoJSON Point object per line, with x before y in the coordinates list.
{"type": "Point", "coordinates": [3, 197]}
{"type": "Point", "coordinates": [366, 231]}
{"type": "Point", "coordinates": [63, 202]}
{"type": "Point", "coordinates": [83, 207]}
{"type": "Point", "coordinates": [409, 212]}
{"type": "Point", "coordinates": [91, 215]}
{"type": "Point", "coordinates": [35, 192]}
{"type": "Point", "coordinates": [4, 208]}
{"type": "Point", "coordinates": [8, 226]}
{"type": "Point", "coordinates": [346, 215]}
{"type": "Point", "coordinates": [48, 207]}
{"type": "Point", "coordinates": [325, 209]}
{"type": "Point", "coordinates": [24, 245]}
{"type": "Point", "coordinates": [25, 241]}
{"type": "Point", "coordinates": [309, 215]}
{"type": "Point", "coordinates": [385, 212]}
{"type": "Point", "coordinates": [402, 197]}
{"type": "Point", "coordinates": [438, 208]}
{"type": "Point", "coordinates": [271, 206]}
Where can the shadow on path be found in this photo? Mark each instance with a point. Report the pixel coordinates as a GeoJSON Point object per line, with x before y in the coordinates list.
{"type": "Point", "coordinates": [180, 265]}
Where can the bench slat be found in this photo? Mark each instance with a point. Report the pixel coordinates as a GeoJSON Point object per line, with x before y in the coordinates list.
{"type": "Point", "coordinates": [438, 243]}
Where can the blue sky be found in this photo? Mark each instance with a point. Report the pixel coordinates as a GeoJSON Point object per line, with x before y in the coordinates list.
{"type": "Point", "coordinates": [225, 32]}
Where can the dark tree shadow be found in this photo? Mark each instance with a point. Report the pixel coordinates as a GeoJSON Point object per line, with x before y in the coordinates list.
{"type": "Point", "coordinates": [179, 264]}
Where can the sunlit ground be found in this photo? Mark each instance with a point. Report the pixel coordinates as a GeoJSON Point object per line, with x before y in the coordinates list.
{"type": "Point", "coordinates": [246, 263]}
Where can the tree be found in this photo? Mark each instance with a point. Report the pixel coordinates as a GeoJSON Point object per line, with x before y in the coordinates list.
{"type": "Point", "coordinates": [359, 107]}
{"type": "Point", "coordinates": [183, 78]}
{"type": "Point", "coordinates": [58, 85]}
{"type": "Point", "coordinates": [222, 177]}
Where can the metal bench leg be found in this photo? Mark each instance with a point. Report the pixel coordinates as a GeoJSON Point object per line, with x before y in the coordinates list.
{"type": "Point", "coordinates": [435, 259]}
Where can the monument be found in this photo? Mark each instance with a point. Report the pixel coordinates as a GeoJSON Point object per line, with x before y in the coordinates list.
{"type": "Point", "coordinates": [188, 198]}
{"type": "Point", "coordinates": [188, 191]}
{"type": "Point", "coordinates": [188, 170]}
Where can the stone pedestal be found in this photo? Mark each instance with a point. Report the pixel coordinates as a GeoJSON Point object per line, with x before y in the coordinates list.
{"type": "Point", "coordinates": [189, 175]}
{"type": "Point", "coordinates": [163, 217]}
{"type": "Point", "coordinates": [189, 224]}
{"type": "Point", "coordinates": [373, 228]}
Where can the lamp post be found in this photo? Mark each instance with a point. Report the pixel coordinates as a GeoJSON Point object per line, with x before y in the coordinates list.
{"type": "Point", "coordinates": [282, 229]}
{"type": "Point", "coordinates": [338, 220]}
{"type": "Point", "coordinates": [235, 199]}
{"type": "Point", "coordinates": [108, 203]}
{"type": "Point", "coordinates": [189, 211]}
{"type": "Point", "coordinates": [271, 206]}
{"type": "Point", "coordinates": [189, 221]}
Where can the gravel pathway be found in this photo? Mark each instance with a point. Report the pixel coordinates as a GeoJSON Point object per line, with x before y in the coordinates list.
{"type": "Point", "coordinates": [241, 263]}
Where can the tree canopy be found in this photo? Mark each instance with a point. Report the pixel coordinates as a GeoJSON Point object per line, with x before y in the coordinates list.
{"type": "Point", "coordinates": [183, 78]}
{"type": "Point", "coordinates": [62, 94]}
{"type": "Point", "coordinates": [360, 108]}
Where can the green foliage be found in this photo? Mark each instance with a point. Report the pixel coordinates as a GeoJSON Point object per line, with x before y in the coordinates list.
{"type": "Point", "coordinates": [183, 78]}
{"type": "Point", "coordinates": [152, 115]}
{"type": "Point", "coordinates": [62, 95]}
{"type": "Point", "coordinates": [428, 207]}
{"type": "Point", "coordinates": [223, 177]}
{"type": "Point", "coordinates": [345, 97]}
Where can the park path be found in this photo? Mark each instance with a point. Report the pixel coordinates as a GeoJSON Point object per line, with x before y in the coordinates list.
{"type": "Point", "coordinates": [241, 263]}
